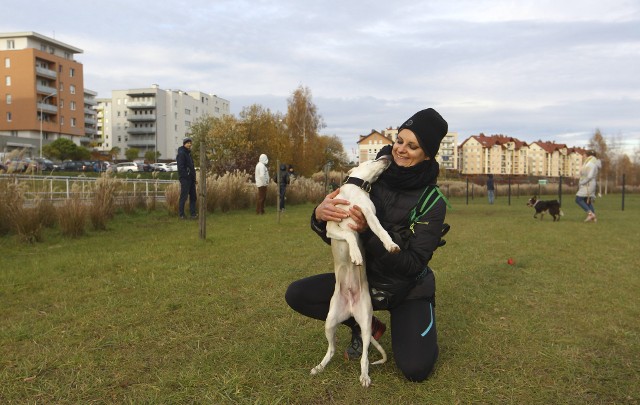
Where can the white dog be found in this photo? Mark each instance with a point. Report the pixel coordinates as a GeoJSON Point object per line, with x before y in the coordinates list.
{"type": "Point", "coordinates": [351, 295]}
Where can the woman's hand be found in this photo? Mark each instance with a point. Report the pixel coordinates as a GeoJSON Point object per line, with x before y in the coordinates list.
{"type": "Point", "coordinates": [328, 210]}
{"type": "Point", "coordinates": [360, 222]}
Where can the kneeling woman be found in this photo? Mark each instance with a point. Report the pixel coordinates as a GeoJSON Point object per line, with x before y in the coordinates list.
{"type": "Point", "coordinates": [411, 207]}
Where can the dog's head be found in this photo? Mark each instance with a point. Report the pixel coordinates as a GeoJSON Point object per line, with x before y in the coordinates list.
{"type": "Point", "coordinates": [371, 169]}
{"type": "Point", "coordinates": [532, 201]}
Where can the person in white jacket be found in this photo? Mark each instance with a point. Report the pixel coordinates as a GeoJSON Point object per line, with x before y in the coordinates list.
{"type": "Point", "coordinates": [262, 180]}
{"type": "Point", "coordinates": [587, 185]}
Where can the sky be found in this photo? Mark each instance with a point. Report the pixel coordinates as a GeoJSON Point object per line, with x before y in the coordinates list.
{"type": "Point", "coordinates": [551, 70]}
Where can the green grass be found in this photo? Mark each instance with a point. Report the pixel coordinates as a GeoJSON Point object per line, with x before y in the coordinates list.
{"type": "Point", "coordinates": [146, 312]}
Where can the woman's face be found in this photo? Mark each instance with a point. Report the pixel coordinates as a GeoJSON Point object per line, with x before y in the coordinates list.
{"type": "Point", "coordinates": [406, 150]}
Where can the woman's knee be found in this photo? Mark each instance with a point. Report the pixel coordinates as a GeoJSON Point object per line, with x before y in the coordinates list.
{"type": "Point", "coordinates": [418, 371]}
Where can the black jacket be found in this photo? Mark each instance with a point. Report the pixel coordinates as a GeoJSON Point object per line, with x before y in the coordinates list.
{"type": "Point", "coordinates": [405, 274]}
{"type": "Point", "coordinates": [186, 169]}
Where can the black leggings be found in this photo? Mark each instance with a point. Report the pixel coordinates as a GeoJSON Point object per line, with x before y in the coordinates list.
{"type": "Point", "coordinates": [414, 339]}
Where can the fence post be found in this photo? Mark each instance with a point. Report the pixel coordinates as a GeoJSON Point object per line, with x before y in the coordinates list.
{"type": "Point", "coordinates": [509, 182]}
{"type": "Point", "coordinates": [202, 210]}
{"type": "Point", "coordinates": [560, 191]}
{"type": "Point", "coordinates": [467, 191]}
{"type": "Point", "coordinates": [623, 181]}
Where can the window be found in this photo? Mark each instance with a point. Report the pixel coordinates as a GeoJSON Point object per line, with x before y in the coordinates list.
{"type": "Point", "coordinates": [8, 98]}
{"type": "Point", "coordinates": [72, 89]}
{"type": "Point", "coordinates": [11, 44]}
{"type": "Point", "coordinates": [72, 105]}
{"type": "Point", "coordinates": [7, 80]}
{"type": "Point", "coordinates": [187, 111]}
{"type": "Point", "coordinates": [7, 62]}
{"type": "Point", "coordinates": [72, 72]}
{"type": "Point", "coordinates": [73, 122]}
{"type": "Point", "coordinates": [9, 116]}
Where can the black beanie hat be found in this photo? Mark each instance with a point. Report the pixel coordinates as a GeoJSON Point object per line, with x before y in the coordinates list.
{"type": "Point", "coordinates": [185, 140]}
{"type": "Point", "coordinates": [429, 127]}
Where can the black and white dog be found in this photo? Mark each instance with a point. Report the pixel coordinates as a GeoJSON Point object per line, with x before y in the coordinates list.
{"type": "Point", "coordinates": [551, 207]}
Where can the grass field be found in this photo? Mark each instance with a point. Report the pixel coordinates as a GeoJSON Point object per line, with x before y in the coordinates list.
{"type": "Point", "coordinates": [146, 312]}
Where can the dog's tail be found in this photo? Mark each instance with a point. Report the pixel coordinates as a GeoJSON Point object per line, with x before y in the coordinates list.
{"type": "Point", "coordinates": [381, 350]}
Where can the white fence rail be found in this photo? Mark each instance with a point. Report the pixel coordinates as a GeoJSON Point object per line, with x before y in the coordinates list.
{"type": "Point", "coordinates": [59, 188]}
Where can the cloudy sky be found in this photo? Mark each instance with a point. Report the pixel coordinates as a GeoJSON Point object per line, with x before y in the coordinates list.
{"type": "Point", "coordinates": [554, 70]}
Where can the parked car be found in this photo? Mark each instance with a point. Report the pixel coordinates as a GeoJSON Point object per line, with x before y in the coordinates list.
{"type": "Point", "coordinates": [71, 166]}
{"type": "Point", "coordinates": [173, 166]}
{"type": "Point", "coordinates": [127, 167]}
{"type": "Point", "coordinates": [45, 164]}
{"type": "Point", "coordinates": [161, 167]}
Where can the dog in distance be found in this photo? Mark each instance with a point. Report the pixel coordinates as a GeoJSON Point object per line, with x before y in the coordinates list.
{"type": "Point", "coordinates": [351, 294]}
{"type": "Point", "coordinates": [551, 207]}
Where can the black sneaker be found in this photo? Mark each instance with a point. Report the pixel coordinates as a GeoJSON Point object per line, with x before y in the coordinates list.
{"type": "Point", "coordinates": [354, 350]}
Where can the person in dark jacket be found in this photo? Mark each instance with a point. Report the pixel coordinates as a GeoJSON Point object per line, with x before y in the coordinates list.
{"type": "Point", "coordinates": [187, 176]}
{"type": "Point", "coordinates": [411, 207]}
{"type": "Point", "coordinates": [491, 188]}
{"type": "Point", "coordinates": [283, 182]}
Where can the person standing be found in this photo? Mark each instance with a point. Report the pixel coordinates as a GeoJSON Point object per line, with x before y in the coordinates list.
{"type": "Point", "coordinates": [187, 176]}
{"type": "Point", "coordinates": [262, 180]}
{"type": "Point", "coordinates": [283, 181]}
{"type": "Point", "coordinates": [490, 188]}
{"type": "Point", "coordinates": [586, 194]}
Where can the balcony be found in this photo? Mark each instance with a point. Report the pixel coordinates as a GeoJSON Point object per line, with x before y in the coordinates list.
{"type": "Point", "coordinates": [48, 73]}
{"type": "Point", "coordinates": [48, 108]}
{"type": "Point", "coordinates": [141, 118]}
{"type": "Point", "coordinates": [141, 131]}
{"type": "Point", "coordinates": [42, 89]}
{"type": "Point", "coordinates": [142, 142]}
{"type": "Point", "coordinates": [141, 104]}
{"type": "Point", "coordinates": [90, 120]}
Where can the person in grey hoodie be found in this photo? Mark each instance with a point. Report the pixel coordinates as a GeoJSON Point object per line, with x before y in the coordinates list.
{"type": "Point", "coordinates": [586, 194]}
{"type": "Point", "coordinates": [262, 180]}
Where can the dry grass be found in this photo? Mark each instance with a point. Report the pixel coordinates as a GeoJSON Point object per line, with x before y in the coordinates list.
{"type": "Point", "coordinates": [72, 215]}
{"type": "Point", "coordinates": [103, 204]}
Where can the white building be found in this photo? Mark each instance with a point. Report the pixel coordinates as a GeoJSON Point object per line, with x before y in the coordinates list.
{"type": "Point", "coordinates": [151, 118]}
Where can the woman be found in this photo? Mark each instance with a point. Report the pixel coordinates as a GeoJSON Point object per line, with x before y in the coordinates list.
{"type": "Point", "coordinates": [411, 207]}
{"type": "Point", "coordinates": [586, 194]}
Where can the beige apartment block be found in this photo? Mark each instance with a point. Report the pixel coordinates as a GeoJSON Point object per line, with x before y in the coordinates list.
{"type": "Point", "coordinates": [42, 94]}
{"type": "Point", "coordinates": [502, 155]}
{"type": "Point", "coordinates": [369, 146]}
{"type": "Point", "coordinates": [152, 118]}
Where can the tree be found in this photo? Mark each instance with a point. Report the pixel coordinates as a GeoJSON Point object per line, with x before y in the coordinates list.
{"type": "Point", "coordinates": [114, 152]}
{"type": "Point", "coordinates": [64, 149]}
{"type": "Point", "coordinates": [599, 144]}
{"type": "Point", "coordinates": [132, 153]}
{"type": "Point", "coordinates": [151, 156]}
{"type": "Point", "coordinates": [228, 146]}
{"type": "Point", "coordinates": [303, 123]}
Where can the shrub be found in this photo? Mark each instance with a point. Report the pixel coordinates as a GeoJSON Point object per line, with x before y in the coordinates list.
{"type": "Point", "coordinates": [231, 191]}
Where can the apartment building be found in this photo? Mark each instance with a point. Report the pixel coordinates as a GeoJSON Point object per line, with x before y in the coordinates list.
{"type": "Point", "coordinates": [499, 154]}
{"type": "Point", "coordinates": [42, 94]}
{"type": "Point", "coordinates": [152, 118]}
{"type": "Point", "coordinates": [369, 146]}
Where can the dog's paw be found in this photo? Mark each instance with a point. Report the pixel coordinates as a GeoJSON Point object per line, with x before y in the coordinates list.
{"type": "Point", "coordinates": [392, 247]}
{"type": "Point", "coordinates": [317, 369]}
{"type": "Point", "coordinates": [365, 380]}
{"type": "Point", "coordinates": [356, 258]}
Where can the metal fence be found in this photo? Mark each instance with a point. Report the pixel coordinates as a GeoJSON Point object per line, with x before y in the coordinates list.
{"type": "Point", "coordinates": [57, 188]}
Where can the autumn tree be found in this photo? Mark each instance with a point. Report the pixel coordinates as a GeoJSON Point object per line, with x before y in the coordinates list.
{"type": "Point", "coordinates": [303, 123]}
{"type": "Point", "coordinates": [227, 143]}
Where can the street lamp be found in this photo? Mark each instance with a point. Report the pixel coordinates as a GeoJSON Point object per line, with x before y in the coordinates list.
{"type": "Point", "coordinates": [41, 104]}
